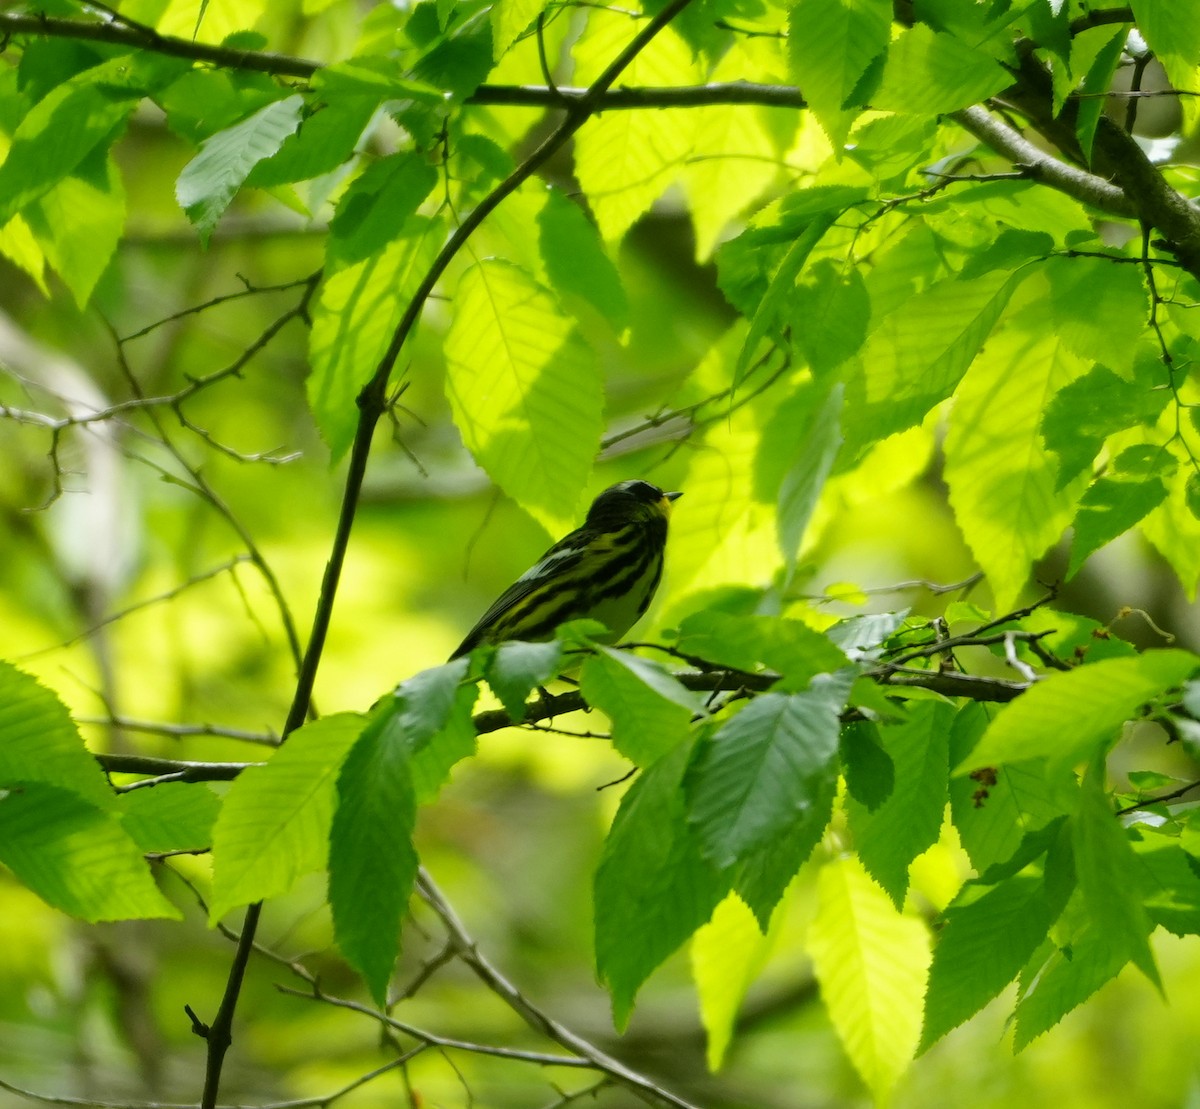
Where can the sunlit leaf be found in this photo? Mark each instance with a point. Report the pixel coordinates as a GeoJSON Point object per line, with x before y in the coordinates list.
{"type": "Point", "coordinates": [871, 963]}
{"type": "Point", "coordinates": [209, 181]}
{"type": "Point", "coordinates": [524, 390]}
{"type": "Point", "coordinates": [653, 887]}
{"type": "Point", "coordinates": [274, 824]}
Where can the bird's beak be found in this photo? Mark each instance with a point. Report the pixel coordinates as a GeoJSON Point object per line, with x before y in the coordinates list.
{"type": "Point", "coordinates": [667, 498]}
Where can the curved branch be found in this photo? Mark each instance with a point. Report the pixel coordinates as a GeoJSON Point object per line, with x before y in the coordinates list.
{"type": "Point", "coordinates": [1083, 186]}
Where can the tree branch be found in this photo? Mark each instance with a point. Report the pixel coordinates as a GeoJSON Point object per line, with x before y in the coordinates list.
{"type": "Point", "coordinates": [1083, 186]}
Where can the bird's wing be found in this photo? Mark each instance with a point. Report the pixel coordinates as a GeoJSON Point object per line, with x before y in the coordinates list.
{"type": "Point", "coordinates": [562, 557]}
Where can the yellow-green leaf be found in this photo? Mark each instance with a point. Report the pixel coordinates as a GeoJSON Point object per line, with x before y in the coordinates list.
{"type": "Point", "coordinates": [872, 963]}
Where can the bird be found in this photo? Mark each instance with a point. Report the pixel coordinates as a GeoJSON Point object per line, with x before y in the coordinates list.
{"type": "Point", "coordinates": [606, 570]}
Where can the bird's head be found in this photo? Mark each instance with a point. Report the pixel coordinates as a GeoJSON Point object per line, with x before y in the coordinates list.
{"type": "Point", "coordinates": [629, 502]}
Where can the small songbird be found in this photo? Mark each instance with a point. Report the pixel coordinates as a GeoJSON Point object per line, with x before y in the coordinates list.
{"type": "Point", "coordinates": [606, 570]}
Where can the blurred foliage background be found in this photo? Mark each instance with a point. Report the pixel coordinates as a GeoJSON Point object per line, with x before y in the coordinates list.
{"type": "Point", "coordinates": [133, 596]}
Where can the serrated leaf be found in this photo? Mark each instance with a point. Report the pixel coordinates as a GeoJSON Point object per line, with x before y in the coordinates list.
{"type": "Point", "coordinates": [355, 317]}
{"type": "Point", "coordinates": [914, 358]}
{"type": "Point", "coordinates": [830, 314]}
{"type": "Point", "coordinates": [76, 856]}
{"type": "Point", "coordinates": [79, 223]}
{"type": "Point", "coordinates": [376, 208]}
{"type": "Point", "coordinates": [517, 668]}
{"type": "Point", "coordinates": [1169, 882]}
{"type": "Point", "coordinates": [738, 149]}
{"type": "Point", "coordinates": [1068, 716]}
{"type": "Point", "coordinates": [576, 262]}
{"type": "Point", "coordinates": [40, 743]}
{"type": "Point", "coordinates": [653, 888]}
{"type": "Point", "coordinates": [802, 484]}
{"type": "Point", "coordinates": [1104, 860]}
{"type": "Point", "coordinates": [929, 73]}
{"type": "Point", "coordinates": [988, 936]}
{"type": "Point", "coordinates": [173, 816]}
{"type": "Point", "coordinates": [372, 864]}
{"type": "Point", "coordinates": [727, 955]}
{"type": "Point", "coordinates": [525, 391]}
{"type": "Point", "coordinates": [1096, 82]}
{"type": "Point", "coordinates": [1003, 484]}
{"type": "Point", "coordinates": [510, 20]}
{"type": "Point", "coordinates": [650, 711]}
{"type": "Point", "coordinates": [996, 811]}
{"type": "Point", "coordinates": [325, 139]}
{"type": "Point", "coordinates": [782, 287]}
{"type": "Point", "coordinates": [831, 44]}
{"type": "Point", "coordinates": [1110, 508]}
{"type": "Point", "coordinates": [274, 824]}
{"type": "Point", "coordinates": [1099, 308]}
{"type": "Point", "coordinates": [868, 768]}
{"type": "Point", "coordinates": [764, 875]}
{"type": "Point", "coordinates": [764, 770]}
{"type": "Point", "coordinates": [71, 121]}
{"type": "Point", "coordinates": [889, 836]}
{"type": "Point", "coordinates": [871, 963]}
{"type": "Point", "coordinates": [793, 649]}
{"type": "Point", "coordinates": [626, 160]}
{"type": "Point", "coordinates": [1081, 415]}
{"type": "Point", "coordinates": [422, 704]}
{"type": "Point", "coordinates": [209, 181]}
{"type": "Point", "coordinates": [1067, 978]}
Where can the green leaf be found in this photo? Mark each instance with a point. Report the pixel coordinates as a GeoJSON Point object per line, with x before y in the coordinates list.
{"type": "Point", "coordinates": [377, 207]}
{"type": "Point", "coordinates": [871, 963]}
{"type": "Point", "coordinates": [868, 768]}
{"type": "Point", "coordinates": [1172, 31]}
{"type": "Point", "coordinates": [626, 160]}
{"type": "Point", "coordinates": [71, 121]}
{"type": "Point", "coordinates": [764, 875]}
{"type": "Point", "coordinates": [76, 856]}
{"type": "Point", "coordinates": [1003, 486]}
{"type": "Point", "coordinates": [1169, 882]}
{"type": "Point", "coordinates": [274, 824]}
{"type": "Point", "coordinates": [830, 314]}
{"type": "Point", "coordinates": [996, 810]}
{"type": "Point", "coordinates": [914, 357]}
{"type": "Point", "coordinates": [79, 223]}
{"type": "Point", "coordinates": [171, 816]}
{"type": "Point", "coordinates": [517, 668]}
{"type": "Point", "coordinates": [325, 139]}
{"type": "Point", "coordinates": [1110, 508]}
{"type": "Point", "coordinates": [650, 711]}
{"type": "Point", "coordinates": [372, 864]}
{"type": "Point", "coordinates": [653, 888]}
{"type": "Point", "coordinates": [1069, 716]}
{"type": "Point", "coordinates": [1096, 81]}
{"type": "Point", "coordinates": [510, 20]}
{"type": "Point", "coordinates": [802, 485]}
{"type": "Point", "coordinates": [576, 262]}
{"type": "Point", "coordinates": [888, 837]}
{"type": "Point", "coordinates": [988, 936]}
{"type": "Point", "coordinates": [525, 391]}
{"type": "Point", "coordinates": [777, 298]}
{"type": "Point", "coordinates": [423, 704]}
{"type": "Point", "coordinates": [1077, 965]}
{"type": "Point", "coordinates": [791, 648]}
{"type": "Point", "coordinates": [928, 73]}
{"type": "Point", "coordinates": [40, 743]}
{"type": "Point", "coordinates": [376, 76]}
{"type": "Point", "coordinates": [831, 44]}
{"type": "Point", "coordinates": [1104, 861]}
{"type": "Point", "coordinates": [740, 147]}
{"type": "Point", "coordinates": [1082, 414]}
{"type": "Point", "coordinates": [208, 182]}
{"type": "Point", "coordinates": [1099, 308]}
{"type": "Point", "coordinates": [728, 954]}
{"type": "Point", "coordinates": [358, 311]}
{"type": "Point", "coordinates": [765, 769]}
